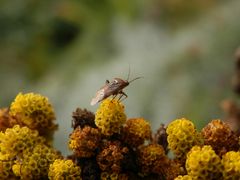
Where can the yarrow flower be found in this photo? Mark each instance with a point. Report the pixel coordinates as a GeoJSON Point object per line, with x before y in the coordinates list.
{"type": "Point", "coordinates": [84, 142]}
{"type": "Point", "coordinates": [35, 162]}
{"type": "Point", "coordinates": [231, 164]}
{"type": "Point", "coordinates": [111, 156]}
{"type": "Point", "coordinates": [35, 112]}
{"type": "Point", "coordinates": [203, 163]}
{"type": "Point", "coordinates": [15, 140]}
{"type": "Point", "coordinates": [64, 169]}
{"type": "Point", "coordinates": [110, 117]}
{"type": "Point", "coordinates": [152, 159]}
{"type": "Point", "coordinates": [219, 135]}
{"type": "Point", "coordinates": [136, 131]}
{"type": "Point", "coordinates": [6, 162]}
{"type": "Point", "coordinates": [182, 136]}
{"type": "Point", "coordinates": [82, 118]}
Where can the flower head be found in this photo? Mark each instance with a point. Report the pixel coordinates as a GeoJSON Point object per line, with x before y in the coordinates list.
{"type": "Point", "coordinates": [64, 169]}
{"type": "Point", "coordinates": [35, 112]}
{"type": "Point", "coordinates": [152, 159]}
{"type": "Point", "coordinates": [111, 156]}
{"type": "Point", "coordinates": [182, 136]}
{"type": "Point", "coordinates": [110, 117]}
{"type": "Point", "coordinates": [15, 140]}
{"type": "Point", "coordinates": [85, 141]}
{"type": "Point", "coordinates": [219, 135]}
{"type": "Point", "coordinates": [231, 164]}
{"type": "Point", "coordinates": [6, 162]}
{"type": "Point", "coordinates": [136, 131]}
{"type": "Point", "coordinates": [203, 163]}
{"type": "Point", "coordinates": [35, 162]}
{"type": "Point", "coordinates": [82, 118]}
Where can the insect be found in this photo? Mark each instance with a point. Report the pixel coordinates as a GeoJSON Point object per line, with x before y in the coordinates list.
{"type": "Point", "coordinates": [113, 88]}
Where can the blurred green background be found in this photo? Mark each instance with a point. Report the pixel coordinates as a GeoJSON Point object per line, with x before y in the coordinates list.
{"type": "Point", "coordinates": [66, 49]}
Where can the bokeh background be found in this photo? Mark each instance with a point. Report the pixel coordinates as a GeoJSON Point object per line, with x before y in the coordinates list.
{"type": "Point", "coordinates": [66, 49]}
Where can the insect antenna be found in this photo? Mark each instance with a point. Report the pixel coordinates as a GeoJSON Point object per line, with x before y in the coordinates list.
{"type": "Point", "coordinates": [135, 79]}
{"type": "Point", "coordinates": [128, 72]}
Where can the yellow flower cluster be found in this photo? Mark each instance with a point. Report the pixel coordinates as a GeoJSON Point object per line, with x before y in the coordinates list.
{"type": "Point", "coordinates": [6, 162]}
{"type": "Point", "coordinates": [203, 163]}
{"type": "Point", "coordinates": [35, 112]}
{"type": "Point", "coordinates": [231, 164]}
{"type": "Point", "coordinates": [110, 117]}
{"type": "Point", "coordinates": [35, 162]}
{"type": "Point", "coordinates": [136, 131]}
{"type": "Point", "coordinates": [182, 136]}
{"type": "Point", "coordinates": [64, 169]}
{"type": "Point", "coordinates": [85, 141]}
{"type": "Point", "coordinates": [15, 140]}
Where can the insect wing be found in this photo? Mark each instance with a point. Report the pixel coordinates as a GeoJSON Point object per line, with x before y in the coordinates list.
{"type": "Point", "coordinates": [99, 97]}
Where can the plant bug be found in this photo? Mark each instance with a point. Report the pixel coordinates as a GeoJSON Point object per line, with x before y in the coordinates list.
{"type": "Point", "coordinates": [113, 88]}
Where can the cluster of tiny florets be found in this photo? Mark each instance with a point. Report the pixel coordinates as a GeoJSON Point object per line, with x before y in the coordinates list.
{"type": "Point", "coordinates": [152, 159]}
{"type": "Point", "coordinates": [221, 138]}
{"type": "Point", "coordinates": [231, 165]}
{"type": "Point", "coordinates": [6, 163]}
{"type": "Point", "coordinates": [111, 156]}
{"type": "Point", "coordinates": [203, 163]}
{"type": "Point", "coordinates": [136, 131]}
{"type": "Point", "coordinates": [64, 169]}
{"type": "Point", "coordinates": [182, 136]}
{"type": "Point", "coordinates": [84, 142]}
{"type": "Point", "coordinates": [110, 117]}
{"type": "Point", "coordinates": [82, 118]}
{"type": "Point", "coordinates": [15, 140]}
{"type": "Point", "coordinates": [35, 162]}
{"type": "Point", "coordinates": [35, 112]}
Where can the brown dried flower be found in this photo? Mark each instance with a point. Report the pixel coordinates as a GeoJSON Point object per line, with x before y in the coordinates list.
{"type": "Point", "coordinates": [111, 156]}
{"type": "Point", "coordinates": [84, 142]}
{"type": "Point", "coordinates": [82, 118]}
{"type": "Point", "coordinates": [160, 137]}
{"type": "Point", "coordinates": [219, 135]}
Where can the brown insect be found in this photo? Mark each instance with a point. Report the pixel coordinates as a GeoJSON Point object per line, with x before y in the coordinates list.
{"type": "Point", "coordinates": [113, 88]}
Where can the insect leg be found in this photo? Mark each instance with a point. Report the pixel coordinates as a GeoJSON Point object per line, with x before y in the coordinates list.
{"type": "Point", "coordinates": [122, 94]}
{"type": "Point", "coordinates": [114, 96]}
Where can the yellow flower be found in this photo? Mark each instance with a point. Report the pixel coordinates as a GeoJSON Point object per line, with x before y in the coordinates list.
{"type": "Point", "coordinates": [136, 131]}
{"type": "Point", "coordinates": [203, 163]}
{"type": "Point", "coordinates": [64, 169]}
{"type": "Point", "coordinates": [35, 162]}
{"type": "Point", "coordinates": [34, 111]}
{"type": "Point", "coordinates": [231, 164]}
{"type": "Point", "coordinates": [110, 117]}
{"type": "Point", "coordinates": [15, 140]}
{"type": "Point", "coordinates": [6, 162]}
{"type": "Point", "coordinates": [182, 136]}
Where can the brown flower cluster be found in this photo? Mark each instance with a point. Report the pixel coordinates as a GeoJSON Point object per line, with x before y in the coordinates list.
{"type": "Point", "coordinates": [112, 147]}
